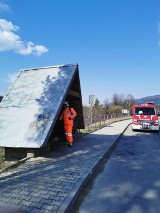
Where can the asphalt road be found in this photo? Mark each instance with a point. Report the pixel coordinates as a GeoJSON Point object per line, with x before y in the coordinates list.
{"type": "Point", "coordinates": [127, 182]}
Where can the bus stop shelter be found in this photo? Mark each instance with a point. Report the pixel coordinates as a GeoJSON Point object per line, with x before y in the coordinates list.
{"type": "Point", "coordinates": [29, 113]}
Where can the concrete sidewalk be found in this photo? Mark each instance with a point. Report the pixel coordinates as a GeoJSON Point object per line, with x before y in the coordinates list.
{"type": "Point", "coordinates": [53, 182]}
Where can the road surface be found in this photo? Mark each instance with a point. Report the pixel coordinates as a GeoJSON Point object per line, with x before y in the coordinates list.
{"type": "Point", "coordinates": [127, 182]}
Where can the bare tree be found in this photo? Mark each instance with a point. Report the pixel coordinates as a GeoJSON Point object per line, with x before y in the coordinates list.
{"type": "Point", "coordinates": [106, 106]}
{"type": "Point", "coordinates": [115, 99]}
{"type": "Point", "coordinates": [118, 99]}
{"type": "Point", "coordinates": [129, 101]}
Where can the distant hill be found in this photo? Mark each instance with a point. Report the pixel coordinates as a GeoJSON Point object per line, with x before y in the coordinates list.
{"type": "Point", "coordinates": [155, 99]}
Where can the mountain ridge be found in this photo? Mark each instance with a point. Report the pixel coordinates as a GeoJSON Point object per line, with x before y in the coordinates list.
{"type": "Point", "coordinates": [153, 98]}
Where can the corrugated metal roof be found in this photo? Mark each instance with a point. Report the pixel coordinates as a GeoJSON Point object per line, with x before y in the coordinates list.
{"type": "Point", "coordinates": [32, 105]}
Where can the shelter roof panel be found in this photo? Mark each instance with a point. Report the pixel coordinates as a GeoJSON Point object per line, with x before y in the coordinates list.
{"type": "Point", "coordinates": [32, 104]}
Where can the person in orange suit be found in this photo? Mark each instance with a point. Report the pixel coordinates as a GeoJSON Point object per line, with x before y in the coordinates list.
{"type": "Point", "coordinates": [68, 116]}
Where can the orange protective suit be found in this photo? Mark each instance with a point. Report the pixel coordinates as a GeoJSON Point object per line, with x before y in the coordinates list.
{"type": "Point", "coordinates": [68, 116]}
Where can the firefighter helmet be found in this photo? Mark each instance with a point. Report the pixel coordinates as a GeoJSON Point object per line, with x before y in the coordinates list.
{"type": "Point", "coordinates": [66, 104]}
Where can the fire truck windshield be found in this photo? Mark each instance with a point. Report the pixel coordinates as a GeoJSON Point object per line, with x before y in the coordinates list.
{"type": "Point", "coordinates": [144, 111]}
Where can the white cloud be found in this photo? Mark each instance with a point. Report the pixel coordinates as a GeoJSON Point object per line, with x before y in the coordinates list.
{"type": "Point", "coordinates": [3, 6]}
{"type": "Point", "coordinates": [10, 41]}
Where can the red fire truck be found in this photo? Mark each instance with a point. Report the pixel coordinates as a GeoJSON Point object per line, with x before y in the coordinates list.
{"type": "Point", "coordinates": [145, 117]}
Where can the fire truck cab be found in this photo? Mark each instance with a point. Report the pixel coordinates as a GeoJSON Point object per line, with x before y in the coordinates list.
{"type": "Point", "coordinates": [145, 117]}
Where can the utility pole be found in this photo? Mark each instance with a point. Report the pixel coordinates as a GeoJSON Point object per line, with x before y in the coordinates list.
{"type": "Point", "coordinates": [91, 102]}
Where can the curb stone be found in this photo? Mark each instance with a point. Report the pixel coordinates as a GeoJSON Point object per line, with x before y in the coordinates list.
{"type": "Point", "coordinates": [71, 199]}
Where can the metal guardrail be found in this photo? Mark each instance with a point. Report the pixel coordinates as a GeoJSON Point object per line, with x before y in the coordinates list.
{"type": "Point", "coordinates": [95, 122]}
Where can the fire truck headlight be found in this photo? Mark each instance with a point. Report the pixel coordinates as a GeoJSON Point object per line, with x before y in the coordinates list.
{"type": "Point", "coordinates": [156, 121]}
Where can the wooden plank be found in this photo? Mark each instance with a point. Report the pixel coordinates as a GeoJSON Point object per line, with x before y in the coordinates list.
{"type": "Point", "coordinates": [73, 93]}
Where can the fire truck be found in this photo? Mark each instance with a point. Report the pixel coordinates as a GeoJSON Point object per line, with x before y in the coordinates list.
{"type": "Point", "coordinates": [145, 117]}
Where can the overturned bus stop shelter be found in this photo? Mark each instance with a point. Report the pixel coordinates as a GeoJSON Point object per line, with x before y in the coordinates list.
{"type": "Point", "coordinates": [29, 113]}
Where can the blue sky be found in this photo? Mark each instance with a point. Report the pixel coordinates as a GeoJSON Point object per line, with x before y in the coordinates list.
{"type": "Point", "coordinates": [116, 43]}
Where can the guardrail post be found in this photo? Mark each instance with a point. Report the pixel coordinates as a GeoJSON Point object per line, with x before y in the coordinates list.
{"type": "Point", "coordinates": [104, 120]}
{"type": "Point", "coordinates": [88, 123]}
{"type": "Point", "coordinates": [95, 122]}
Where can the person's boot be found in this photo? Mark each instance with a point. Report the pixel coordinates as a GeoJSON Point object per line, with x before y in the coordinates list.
{"type": "Point", "coordinates": [70, 144]}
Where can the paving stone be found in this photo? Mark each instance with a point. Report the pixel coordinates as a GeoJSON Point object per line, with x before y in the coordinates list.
{"type": "Point", "coordinates": [42, 185]}
{"type": "Point", "coordinates": [14, 206]}
{"type": "Point", "coordinates": [55, 208]}
{"type": "Point", "coordinates": [47, 211]}
{"type": "Point", "coordinates": [23, 192]}
{"type": "Point", "coordinates": [3, 204]}
{"type": "Point", "coordinates": [47, 196]}
{"type": "Point", "coordinates": [25, 197]}
{"type": "Point", "coordinates": [26, 203]}
{"type": "Point", "coordinates": [16, 191]}
{"type": "Point", "coordinates": [36, 205]}
{"type": "Point", "coordinates": [5, 199]}
{"type": "Point", "coordinates": [62, 199]}
{"type": "Point", "coordinates": [35, 210]}
{"type": "Point", "coordinates": [14, 195]}
{"type": "Point", "coordinates": [35, 199]}
{"type": "Point", "coordinates": [46, 201]}
{"type": "Point", "coordinates": [33, 194]}
{"type": "Point", "coordinates": [15, 201]}
{"type": "Point", "coordinates": [68, 189]}
{"type": "Point", "coordinates": [42, 192]}
{"type": "Point", "coordinates": [51, 189]}
{"type": "Point", "coordinates": [47, 207]}
{"type": "Point", "coordinates": [56, 203]}
{"type": "Point", "coordinates": [52, 193]}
